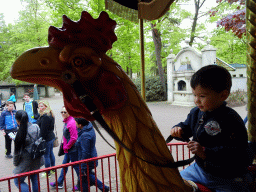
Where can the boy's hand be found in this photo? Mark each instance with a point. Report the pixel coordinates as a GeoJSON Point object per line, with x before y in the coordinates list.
{"type": "Point", "coordinates": [197, 149]}
{"type": "Point", "coordinates": [3, 132]}
{"type": "Point", "coordinates": [176, 132]}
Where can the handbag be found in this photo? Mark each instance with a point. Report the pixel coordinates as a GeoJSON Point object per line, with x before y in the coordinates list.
{"type": "Point", "coordinates": [61, 151]}
{"type": "Point", "coordinates": [56, 141]}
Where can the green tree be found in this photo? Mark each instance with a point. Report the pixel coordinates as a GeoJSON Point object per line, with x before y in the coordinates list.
{"type": "Point", "coordinates": [28, 32]}
{"type": "Point", "coordinates": [230, 48]}
{"type": "Point", "coordinates": [71, 9]}
{"type": "Point", "coordinates": [3, 45]}
{"type": "Point", "coordinates": [161, 31]}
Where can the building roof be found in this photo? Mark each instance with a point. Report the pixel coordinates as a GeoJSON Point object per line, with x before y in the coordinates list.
{"type": "Point", "coordinates": [237, 65]}
{"type": "Point", "coordinates": [224, 64]}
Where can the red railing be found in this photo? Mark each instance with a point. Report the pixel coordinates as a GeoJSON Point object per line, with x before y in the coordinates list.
{"type": "Point", "coordinates": [107, 171]}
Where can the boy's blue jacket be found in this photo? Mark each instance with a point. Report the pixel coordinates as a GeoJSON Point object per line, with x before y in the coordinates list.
{"type": "Point", "coordinates": [86, 145]}
{"type": "Point", "coordinates": [224, 136]}
{"type": "Point", "coordinates": [8, 121]}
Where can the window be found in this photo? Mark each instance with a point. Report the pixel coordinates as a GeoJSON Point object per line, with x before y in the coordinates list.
{"type": "Point", "coordinates": [234, 75]}
{"type": "Point", "coordinates": [182, 86]}
{"type": "Point", "coordinates": [241, 75]}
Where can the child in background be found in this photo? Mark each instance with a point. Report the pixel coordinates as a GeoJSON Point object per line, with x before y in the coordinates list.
{"type": "Point", "coordinates": [86, 149]}
{"type": "Point", "coordinates": [13, 99]}
{"type": "Point", "coordinates": [31, 107]}
{"type": "Point", "coordinates": [8, 125]}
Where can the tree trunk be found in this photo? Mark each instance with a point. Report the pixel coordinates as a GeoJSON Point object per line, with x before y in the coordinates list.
{"type": "Point", "coordinates": [193, 30]}
{"type": "Point", "coordinates": [158, 46]}
{"type": "Point", "coordinates": [47, 91]}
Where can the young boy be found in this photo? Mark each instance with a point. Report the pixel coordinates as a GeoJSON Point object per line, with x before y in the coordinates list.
{"type": "Point", "coordinates": [220, 139]}
{"type": "Point", "coordinates": [86, 149]}
{"type": "Point", "coordinates": [31, 107]}
{"type": "Point", "coordinates": [8, 124]}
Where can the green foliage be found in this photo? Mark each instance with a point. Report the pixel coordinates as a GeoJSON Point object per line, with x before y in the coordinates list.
{"type": "Point", "coordinates": [153, 88]}
{"type": "Point", "coordinates": [57, 8]}
{"type": "Point", "coordinates": [31, 30]}
{"type": "Point", "coordinates": [230, 48]}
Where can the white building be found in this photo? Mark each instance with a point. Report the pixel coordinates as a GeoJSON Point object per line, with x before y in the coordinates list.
{"type": "Point", "coordinates": [182, 66]}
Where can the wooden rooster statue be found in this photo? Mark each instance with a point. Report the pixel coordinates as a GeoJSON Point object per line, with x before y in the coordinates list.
{"type": "Point", "coordinates": [75, 63]}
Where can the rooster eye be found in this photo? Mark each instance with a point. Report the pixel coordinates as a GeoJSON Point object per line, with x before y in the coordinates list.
{"type": "Point", "coordinates": [80, 62]}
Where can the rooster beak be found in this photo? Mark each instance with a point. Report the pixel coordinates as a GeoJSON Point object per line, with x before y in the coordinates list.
{"type": "Point", "coordinates": [40, 66]}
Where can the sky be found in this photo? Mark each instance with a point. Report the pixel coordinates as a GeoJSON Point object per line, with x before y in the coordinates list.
{"type": "Point", "coordinates": [10, 9]}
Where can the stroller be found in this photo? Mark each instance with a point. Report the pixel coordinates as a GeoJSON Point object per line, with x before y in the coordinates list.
{"type": "Point", "coordinates": [2, 105]}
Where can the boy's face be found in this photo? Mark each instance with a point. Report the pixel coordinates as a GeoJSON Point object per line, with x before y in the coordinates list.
{"type": "Point", "coordinates": [10, 107]}
{"type": "Point", "coordinates": [26, 98]}
{"type": "Point", "coordinates": [207, 99]}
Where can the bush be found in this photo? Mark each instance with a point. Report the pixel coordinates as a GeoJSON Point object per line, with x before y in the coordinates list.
{"type": "Point", "coordinates": [153, 88]}
{"type": "Point", "coordinates": [236, 98]}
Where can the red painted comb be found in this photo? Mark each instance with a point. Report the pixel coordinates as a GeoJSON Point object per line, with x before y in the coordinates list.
{"type": "Point", "coordinates": [95, 33]}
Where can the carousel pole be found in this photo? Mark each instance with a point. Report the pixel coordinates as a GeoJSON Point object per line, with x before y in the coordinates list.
{"type": "Point", "coordinates": [142, 59]}
{"type": "Point", "coordinates": [251, 67]}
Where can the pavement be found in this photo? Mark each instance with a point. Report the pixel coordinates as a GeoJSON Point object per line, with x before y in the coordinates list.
{"type": "Point", "coordinates": [164, 114]}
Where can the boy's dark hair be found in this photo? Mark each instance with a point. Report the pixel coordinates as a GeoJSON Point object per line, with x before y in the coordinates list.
{"type": "Point", "coordinates": [82, 121]}
{"type": "Point", "coordinates": [9, 102]}
{"type": "Point", "coordinates": [26, 94]}
{"type": "Point", "coordinates": [212, 77]}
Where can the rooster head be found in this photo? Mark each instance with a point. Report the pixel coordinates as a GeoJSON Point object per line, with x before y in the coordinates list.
{"type": "Point", "coordinates": [72, 63]}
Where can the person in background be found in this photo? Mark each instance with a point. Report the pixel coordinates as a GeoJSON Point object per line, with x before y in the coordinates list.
{"type": "Point", "coordinates": [22, 149]}
{"type": "Point", "coordinates": [8, 125]}
{"type": "Point", "coordinates": [35, 93]}
{"type": "Point", "coordinates": [31, 107]}
{"type": "Point", "coordinates": [70, 150]}
{"type": "Point", "coordinates": [13, 99]}
{"type": "Point", "coordinates": [86, 149]}
{"type": "Point", "coordinates": [46, 123]}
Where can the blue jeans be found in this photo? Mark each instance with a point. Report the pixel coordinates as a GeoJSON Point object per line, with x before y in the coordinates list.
{"type": "Point", "coordinates": [92, 182]}
{"type": "Point", "coordinates": [24, 186]}
{"type": "Point", "coordinates": [49, 155]}
{"type": "Point", "coordinates": [73, 156]}
{"type": "Point", "coordinates": [198, 175]}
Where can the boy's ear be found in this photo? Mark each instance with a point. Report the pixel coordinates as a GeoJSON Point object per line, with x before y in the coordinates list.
{"type": "Point", "coordinates": [225, 94]}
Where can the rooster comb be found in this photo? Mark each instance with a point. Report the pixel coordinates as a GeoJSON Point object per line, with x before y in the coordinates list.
{"type": "Point", "coordinates": [95, 33]}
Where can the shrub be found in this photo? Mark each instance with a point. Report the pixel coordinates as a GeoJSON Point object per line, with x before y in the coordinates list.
{"type": "Point", "coordinates": [153, 88]}
{"type": "Point", "coordinates": [236, 98]}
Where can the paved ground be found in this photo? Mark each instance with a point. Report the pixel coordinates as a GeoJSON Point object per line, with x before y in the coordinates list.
{"type": "Point", "coordinates": [164, 114]}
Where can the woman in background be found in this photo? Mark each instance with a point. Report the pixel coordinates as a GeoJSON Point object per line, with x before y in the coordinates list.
{"type": "Point", "coordinates": [46, 123]}
{"type": "Point", "coordinates": [70, 150]}
{"type": "Point", "coordinates": [22, 148]}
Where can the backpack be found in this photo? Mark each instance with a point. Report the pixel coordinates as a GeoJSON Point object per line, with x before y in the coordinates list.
{"type": "Point", "coordinates": [38, 147]}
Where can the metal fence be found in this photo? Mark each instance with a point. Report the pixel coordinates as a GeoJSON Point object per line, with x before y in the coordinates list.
{"type": "Point", "coordinates": [107, 171]}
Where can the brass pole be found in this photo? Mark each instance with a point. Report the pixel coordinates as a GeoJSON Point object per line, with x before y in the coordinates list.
{"type": "Point", "coordinates": [142, 59]}
{"type": "Point", "coordinates": [251, 67]}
